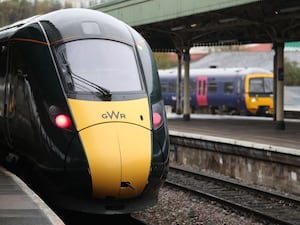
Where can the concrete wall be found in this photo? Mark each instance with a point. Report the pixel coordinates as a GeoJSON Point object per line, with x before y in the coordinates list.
{"type": "Point", "coordinates": [273, 170]}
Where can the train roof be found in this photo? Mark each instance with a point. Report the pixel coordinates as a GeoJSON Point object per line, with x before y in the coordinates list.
{"type": "Point", "coordinates": [65, 24]}
{"type": "Point", "coordinates": [166, 73]}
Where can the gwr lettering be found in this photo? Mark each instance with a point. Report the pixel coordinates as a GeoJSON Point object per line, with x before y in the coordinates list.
{"type": "Point", "coordinates": [113, 115]}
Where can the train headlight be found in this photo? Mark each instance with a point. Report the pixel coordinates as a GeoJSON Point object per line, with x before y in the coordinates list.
{"type": "Point", "coordinates": [157, 114]}
{"type": "Point", "coordinates": [253, 100]}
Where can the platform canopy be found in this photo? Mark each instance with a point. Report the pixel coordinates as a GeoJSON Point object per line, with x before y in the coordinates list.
{"type": "Point", "coordinates": [171, 24]}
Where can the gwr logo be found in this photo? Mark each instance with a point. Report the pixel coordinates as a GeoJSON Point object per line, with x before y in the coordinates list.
{"type": "Point", "coordinates": [113, 115]}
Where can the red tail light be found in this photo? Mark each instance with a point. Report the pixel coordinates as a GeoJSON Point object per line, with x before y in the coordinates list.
{"type": "Point", "coordinates": [63, 121]}
{"type": "Point", "coordinates": [157, 115]}
{"type": "Point", "coordinates": [157, 120]}
{"type": "Point", "coordinates": [60, 117]}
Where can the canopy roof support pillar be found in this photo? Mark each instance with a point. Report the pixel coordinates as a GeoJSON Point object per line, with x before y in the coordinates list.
{"type": "Point", "coordinates": [178, 85]}
{"type": "Point", "coordinates": [186, 106]}
{"type": "Point", "coordinates": [279, 85]}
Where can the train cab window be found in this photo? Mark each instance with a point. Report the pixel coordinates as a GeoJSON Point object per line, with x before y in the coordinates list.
{"type": "Point", "coordinates": [261, 86]}
{"type": "Point", "coordinates": [89, 64]}
{"type": "Point", "coordinates": [256, 85]}
{"type": "Point", "coordinates": [212, 87]}
{"type": "Point", "coordinates": [228, 87]}
{"type": "Point", "coordinates": [268, 85]}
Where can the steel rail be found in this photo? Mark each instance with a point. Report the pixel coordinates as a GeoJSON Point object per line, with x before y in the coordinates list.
{"type": "Point", "coordinates": [265, 204]}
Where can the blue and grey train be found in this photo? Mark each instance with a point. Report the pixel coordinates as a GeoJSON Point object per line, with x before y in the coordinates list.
{"type": "Point", "coordinates": [242, 91]}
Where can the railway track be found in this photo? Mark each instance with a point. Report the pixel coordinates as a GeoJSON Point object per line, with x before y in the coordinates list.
{"type": "Point", "coordinates": [273, 207]}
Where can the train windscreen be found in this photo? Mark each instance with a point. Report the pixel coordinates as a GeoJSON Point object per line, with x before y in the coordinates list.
{"type": "Point", "coordinates": [260, 86]}
{"type": "Point", "coordinates": [93, 64]}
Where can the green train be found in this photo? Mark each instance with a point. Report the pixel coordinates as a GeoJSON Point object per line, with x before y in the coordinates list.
{"type": "Point", "coordinates": [80, 102]}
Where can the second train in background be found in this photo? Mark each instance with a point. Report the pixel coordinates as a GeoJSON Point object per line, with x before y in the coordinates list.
{"type": "Point", "coordinates": [239, 91]}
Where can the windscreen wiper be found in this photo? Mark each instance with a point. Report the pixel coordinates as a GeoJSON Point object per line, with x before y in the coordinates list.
{"type": "Point", "coordinates": [104, 93]}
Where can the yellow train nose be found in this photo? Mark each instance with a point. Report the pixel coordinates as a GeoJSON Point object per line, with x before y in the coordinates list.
{"type": "Point", "coordinates": [116, 137]}
{"type": "Point", "coordinates": [119, 156]}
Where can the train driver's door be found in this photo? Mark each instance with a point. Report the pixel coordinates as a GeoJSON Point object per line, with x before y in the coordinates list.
{"type": "Point", "coordinates": [3, 73]}
{"type": "Point", "coordinates": [5, 93]}
{"type": "Point", "coordinates": [8, 106]}
{"type": "Point", "coordinates": [11, 81]}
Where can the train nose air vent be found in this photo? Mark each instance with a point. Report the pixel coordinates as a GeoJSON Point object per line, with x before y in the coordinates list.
{"type": "Point", "coordinates": [127, 184]}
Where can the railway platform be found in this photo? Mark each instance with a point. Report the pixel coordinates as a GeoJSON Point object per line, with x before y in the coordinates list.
{"type": "Point", "coordinates": [258, 132]}
{"type": "Point", "coordinates": [251, 150]}
{"type": "Point", "coordinates": [20, 205]}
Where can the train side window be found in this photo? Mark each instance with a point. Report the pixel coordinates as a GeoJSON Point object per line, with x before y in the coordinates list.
{"type": "Point", "coordinates": [164, 87]}
{"type": "Point", "coordinates": [212, 87]}
{"type": "Point", "coordinates": [19, 65]}
{"type": "Point", "coordinates": [200, 87]}
{"type": "Point", "coordinates": [17, 69]}
{"type": "Point", "coordinates": [238, 87]}
{"type": "Point", "coordinates": [192, 86]}
{"type": "Point", "coordinates": [172, 87]}
{"type": "Point", "coordinates": [204, 88]}
{"type": "Point", "coordinates": [228, 88]}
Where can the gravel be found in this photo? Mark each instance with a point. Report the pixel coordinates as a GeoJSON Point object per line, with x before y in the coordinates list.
{"type": "Point", "coordinates": [176, 207]}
